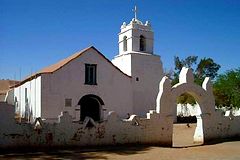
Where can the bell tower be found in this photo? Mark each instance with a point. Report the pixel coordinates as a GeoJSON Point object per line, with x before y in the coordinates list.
{"type": "Point", "coordinates": [135, 36]}
{"type": "Point", "coordinates": [137, 59]}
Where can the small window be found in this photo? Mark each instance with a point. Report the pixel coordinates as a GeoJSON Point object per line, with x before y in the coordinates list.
{"type": "Point", "coordinates": [26, 99]}
{"type": "Point", "coordinates": [142, 43]}
{"type": "Point", "coordinates": [91, 74]}
{"type": "Point", "coordinates": [68, 102]}
{"type": "Point", "coordinates": [125, 43]}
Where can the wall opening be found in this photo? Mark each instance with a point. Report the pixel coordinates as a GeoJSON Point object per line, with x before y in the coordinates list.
{"type": "Point", "coordinates": [186, 109]}
{"type": "Point", "coordinates": [125, 43]}
{"type": "Point", "coordinates": [187, 127]}
{"type": "Point", "coordinates": [142, 43]}
{"type": "Point", "coordinates": [90, 106]}
{"type": "Point", "coordinates": [91, 74]}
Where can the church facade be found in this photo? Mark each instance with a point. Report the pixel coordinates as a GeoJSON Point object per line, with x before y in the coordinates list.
{"type": "Point", "coordinates": [87, 84]}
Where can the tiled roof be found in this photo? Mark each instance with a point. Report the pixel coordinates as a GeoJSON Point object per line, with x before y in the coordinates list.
{"type": "Point", "coordinates": [60, 64]}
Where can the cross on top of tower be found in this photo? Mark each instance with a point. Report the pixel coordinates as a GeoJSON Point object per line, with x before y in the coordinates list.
{"type": "Point", "coordinates": [135, 12]}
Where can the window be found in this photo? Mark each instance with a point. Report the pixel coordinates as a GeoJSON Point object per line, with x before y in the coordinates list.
{"type": "Point", "coordinates": [142, 43]}
{"type": "Point", "coordinates": [26, 99]}
{"type": "Point", "coordinates": [125, 43]}
{"type": "Point", "coordinates": [91, 74]}
{"type": "Point", "coordinates": [68, 102]}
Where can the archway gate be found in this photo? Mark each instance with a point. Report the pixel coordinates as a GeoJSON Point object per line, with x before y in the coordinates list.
{"type": "Point", "coordinates": [166, 102]}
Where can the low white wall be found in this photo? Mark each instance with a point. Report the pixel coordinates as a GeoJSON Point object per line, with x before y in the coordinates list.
{"type": "Point", "coordinates": [188, 110]}
{"type": "Point", "coordinates": [218, 125]}
{"type": "Point", "coordinates": [113, 131]}
{"type": "Point", "coordinates": [154, 129]}
{"type": "Point", "coordinates": [193, 110]}
{"type": "Point", "coordinates": [236, 112]}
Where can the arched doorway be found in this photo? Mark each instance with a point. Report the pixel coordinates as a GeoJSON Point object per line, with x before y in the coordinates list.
{"type": "Point", "coordinates": [90, 106]}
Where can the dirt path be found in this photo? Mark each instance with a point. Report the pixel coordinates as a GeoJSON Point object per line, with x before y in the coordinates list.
{"type": "Point", "coordinates": [183, 135]}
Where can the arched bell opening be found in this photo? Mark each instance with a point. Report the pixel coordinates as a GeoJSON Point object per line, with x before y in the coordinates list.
{"type": "Point", "coordinates": [142, 45]}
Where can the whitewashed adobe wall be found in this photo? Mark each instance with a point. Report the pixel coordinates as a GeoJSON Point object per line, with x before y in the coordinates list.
{"type": "Point", "coordinates": [140, 63]}
{"type": "Point", "coordinates": [156, 128]}
{"type": "Point", "coordinates": [133, 31]}
{"type": "Point", "coordinates": [146, 71]}
{"type": "Point", "coordinates": [31, 101]}
{"type": "Point", "coordinates": [188, 110]}
{"type": "Point", "coordinates": [113, 87]}
{"type": "Point", "coordinates": [211, 124]}
{"type": "Point", "coordinates": [124, 63]}
{"type": "Point", "coordinates": [112, 131]}
{"type": "Point", "coordinates": [192, 110]}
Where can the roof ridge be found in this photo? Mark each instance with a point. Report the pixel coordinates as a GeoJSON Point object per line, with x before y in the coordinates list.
{"type": "Point", "coordinates": [56, 66]}
{"type": "Point", "coordinates": [63, 62]}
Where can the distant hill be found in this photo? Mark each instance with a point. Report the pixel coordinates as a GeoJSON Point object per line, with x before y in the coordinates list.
{"type": "Point", "coordinates": [5, 86]}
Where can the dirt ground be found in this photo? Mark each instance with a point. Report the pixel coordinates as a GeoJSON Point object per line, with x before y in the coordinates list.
{"type": "Point", "coordinates": [183, 148]}
{"type": "Point", "coordinates": [183, 135]}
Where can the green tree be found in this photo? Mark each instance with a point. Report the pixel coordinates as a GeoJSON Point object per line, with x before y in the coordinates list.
{"type": "Point", "coordinates": [227, 88]}
{"type": "Point", "coordinates": [187, 62]}
{"type": "Point", "coordinates": [179, 64]}
{"type": "Point", "coordinates": [206, 67]}
{"type": "Point", "coordinates": [186, 98]}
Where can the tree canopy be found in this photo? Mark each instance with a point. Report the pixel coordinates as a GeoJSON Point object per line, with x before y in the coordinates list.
{"type": "Point", "coordinates": [227, 88]}
{"type": "Point", "coordinates": [206, 67]}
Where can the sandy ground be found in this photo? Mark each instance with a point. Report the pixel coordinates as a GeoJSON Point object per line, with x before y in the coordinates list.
{"type": "Point", "coordinates": [183, 135]}
{"type": "Point", "coordinates": [183, 148]}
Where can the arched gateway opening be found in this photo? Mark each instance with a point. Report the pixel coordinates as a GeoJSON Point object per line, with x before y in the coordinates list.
{"type": "Point", "coordinates": [203, 95]}
{"type": "Point", "coordinates": [187, 127]}
{"type": "Point", "coordinates": [90, 106]}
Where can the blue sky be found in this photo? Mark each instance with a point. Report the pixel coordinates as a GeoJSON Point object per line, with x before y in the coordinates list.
{"type": "Point", "coordinates": [38, 33]}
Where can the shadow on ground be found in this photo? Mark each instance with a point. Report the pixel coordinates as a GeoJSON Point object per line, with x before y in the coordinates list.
{"type": "Point", "coordinates": [72, 153]}
{"type": "Point", "coordinates": [104, 152]}
{"type": "Point", "coordinates": [222, 140]}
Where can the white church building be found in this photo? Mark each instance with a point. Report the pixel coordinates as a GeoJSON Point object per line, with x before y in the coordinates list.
{"type": "Point", "coordinates": [88, 84]}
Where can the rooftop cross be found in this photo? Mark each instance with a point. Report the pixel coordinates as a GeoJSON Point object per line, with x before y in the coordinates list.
{"type": "Point", "coordinates": [135, 12]}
